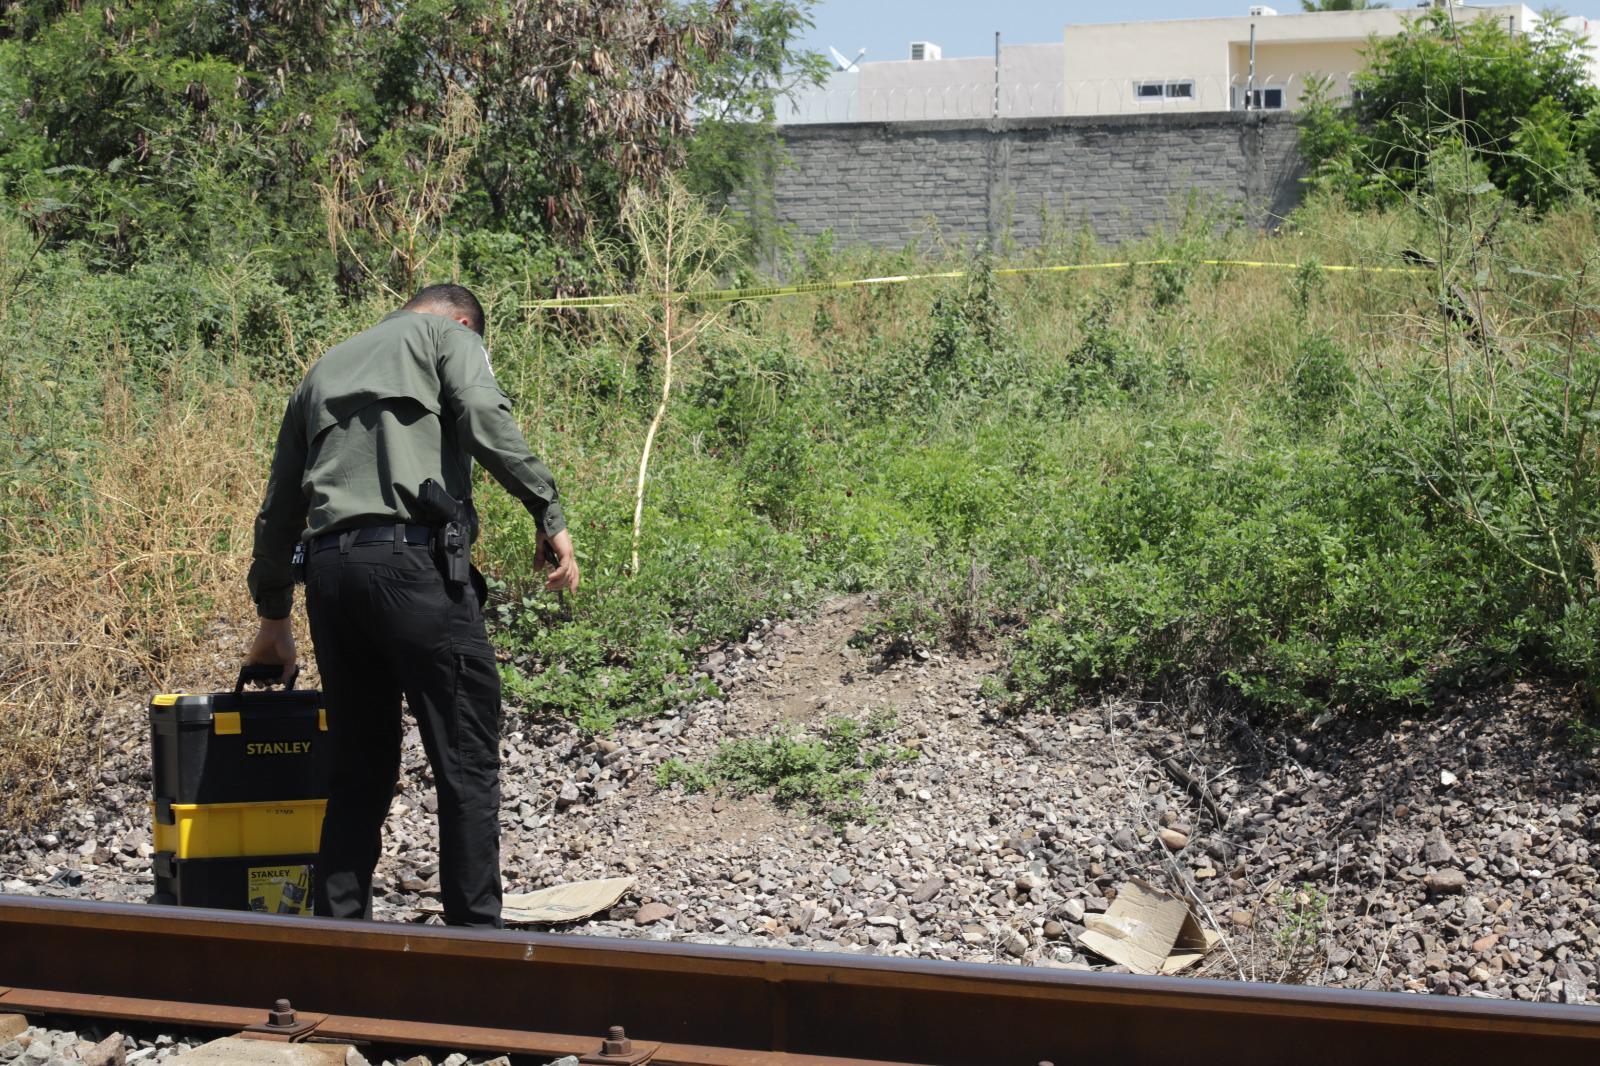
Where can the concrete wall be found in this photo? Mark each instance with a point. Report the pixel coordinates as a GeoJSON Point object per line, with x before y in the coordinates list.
{"type": "Point", "coordinates": [888, 184]}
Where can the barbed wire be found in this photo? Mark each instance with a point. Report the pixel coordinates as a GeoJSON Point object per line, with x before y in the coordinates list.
{"type": "Point", "coordinates": [1043, 99]}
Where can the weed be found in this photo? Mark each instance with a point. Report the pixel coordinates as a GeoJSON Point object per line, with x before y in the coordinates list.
{"type": "Point", "coordinates": [1301, 921]}
{"type": "Point", "coordinates": [823, 775]}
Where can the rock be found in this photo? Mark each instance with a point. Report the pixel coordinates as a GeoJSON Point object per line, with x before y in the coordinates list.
{"type": "Point", "coordinates": [1174, 840]}
{"type": "Point", "coordinates": [108, 1052]}
{"type": "Point", "coordinates": [418, 1060]}
{"type": "Point", "coordinates": [1073, 909]}
{"type": "Point", "coordinates": [1446, 882]}
{"type": "Point", "coordinates": [457, 1059]}
{"type": "Point", "coordinates": [928, 889]}
{"type": "Point", "coordinates": [1027, 882]}
{"type": "Point", "coordinates": [566, 797]}
{"type": "Point", "coordinates": [840, 876]}
{"type": "Point", "coordinates": [237, 1051]}
{"type": "Point", "coordinates": [1446, 778]}
{"type": "Point", "coordinates": [1485, 943]}
{"type": "Point", "coordinates": [1437, 850]}
{"type": "Point", "coordinates": [651, 913]}
{"type": "Point", "coordinates": [1013, 943]}
{"type": "Point", "coordinates": [1124, 840]}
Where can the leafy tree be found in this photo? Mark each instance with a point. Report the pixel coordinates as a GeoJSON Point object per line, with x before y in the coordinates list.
{"type": "Point", "coordinates": [1341, 5]}
{"type": "Point", "coordinates": [735, 145]}
{"type": "Point", "coordinates": [134, 124]}
{"type": "Point", "coordinates": [1524, 103]}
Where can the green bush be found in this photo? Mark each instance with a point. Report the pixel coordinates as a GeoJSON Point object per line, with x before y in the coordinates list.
{"type": "Point", "coordinates": [1523, 104]}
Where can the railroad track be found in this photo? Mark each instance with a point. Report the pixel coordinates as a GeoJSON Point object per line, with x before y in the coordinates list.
{"type": "Point", "coordinates": [696, 1005]}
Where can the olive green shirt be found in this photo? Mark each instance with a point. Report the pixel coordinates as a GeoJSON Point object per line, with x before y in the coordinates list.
{"type": "Point", "coordinates": [411, 398]}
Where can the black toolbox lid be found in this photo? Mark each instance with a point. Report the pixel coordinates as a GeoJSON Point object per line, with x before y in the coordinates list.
{"type": "Point", "coordinates": [187, 708]}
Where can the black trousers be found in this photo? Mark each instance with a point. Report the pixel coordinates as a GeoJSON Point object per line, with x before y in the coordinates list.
{"type": "Point", "coordinates": [385, 623]}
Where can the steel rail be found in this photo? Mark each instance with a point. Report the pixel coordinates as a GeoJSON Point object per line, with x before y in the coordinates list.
{"type": "Point", "coordinates": [700, 1005]}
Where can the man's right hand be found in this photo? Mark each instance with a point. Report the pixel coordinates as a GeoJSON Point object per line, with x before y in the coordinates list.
{"type": "Point", "coordinates": [564, 578]}
{"type": "Point", "coordinates": [274, 646]}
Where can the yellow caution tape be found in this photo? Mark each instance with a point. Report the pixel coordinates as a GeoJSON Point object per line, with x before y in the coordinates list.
{"type": "Point", "coordinates": [773, 291]}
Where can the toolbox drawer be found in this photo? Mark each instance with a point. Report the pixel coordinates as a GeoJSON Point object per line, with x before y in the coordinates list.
{"type": "Point", "coordinates": [227, 830]}
{"type": "Point", "coordinates": [268, 884]}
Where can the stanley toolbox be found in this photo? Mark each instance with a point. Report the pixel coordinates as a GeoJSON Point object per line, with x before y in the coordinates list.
{"type": "Point", "coordinates": [240, 787]}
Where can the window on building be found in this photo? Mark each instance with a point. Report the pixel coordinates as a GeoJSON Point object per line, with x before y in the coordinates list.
{"type": "Point", "coordinates": [1264, 99]}
{"type": "Point", "coordinates": [1163, 90]}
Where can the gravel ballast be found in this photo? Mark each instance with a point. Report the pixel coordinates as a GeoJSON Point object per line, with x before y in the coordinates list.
{"type": "Point", "coordinates": [1448, 854]}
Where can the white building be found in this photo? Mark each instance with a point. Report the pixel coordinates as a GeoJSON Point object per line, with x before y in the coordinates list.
{"type": "Point", "coordinates": [1119, 68]}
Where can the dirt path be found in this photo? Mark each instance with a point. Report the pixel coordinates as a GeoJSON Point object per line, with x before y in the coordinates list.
{"type": "Point", "coordinates": [1449, 854]}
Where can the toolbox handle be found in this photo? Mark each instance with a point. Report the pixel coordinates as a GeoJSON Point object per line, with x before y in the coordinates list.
{"type": "Point", "coordinates": [264, 674]}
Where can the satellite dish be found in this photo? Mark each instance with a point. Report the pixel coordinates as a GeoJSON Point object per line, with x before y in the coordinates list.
{"type": "Point", "coordinates": [843, 63]}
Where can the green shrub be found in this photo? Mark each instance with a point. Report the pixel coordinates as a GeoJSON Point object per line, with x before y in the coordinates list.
{"type": "Point", "coordinates": [1521, 103]}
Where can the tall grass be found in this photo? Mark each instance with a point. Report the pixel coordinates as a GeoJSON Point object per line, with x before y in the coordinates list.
{"type": "Point", "coordinates": [1317, 492]}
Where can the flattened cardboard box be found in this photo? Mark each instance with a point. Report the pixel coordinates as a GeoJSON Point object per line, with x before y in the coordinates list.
{"type": "Point", "coordinates": [1148, 931]}
{"type": "Point", "coordinates": [558, 903]}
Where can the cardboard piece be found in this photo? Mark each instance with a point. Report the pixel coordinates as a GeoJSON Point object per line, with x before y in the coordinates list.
{"type": "Point", "coordinates": [559, 903]}
{"type": "Point", "coordinates": [564, 903]}
{"type": "Point", "coordinates": [1149, 931]}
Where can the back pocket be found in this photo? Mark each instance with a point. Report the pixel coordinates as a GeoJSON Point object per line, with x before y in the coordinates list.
{"type": "Point", "coordinates": [411, 592]}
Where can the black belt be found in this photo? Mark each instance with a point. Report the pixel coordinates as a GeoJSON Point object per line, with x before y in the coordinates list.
{"type": "Point", "coordinates": [418, 535]}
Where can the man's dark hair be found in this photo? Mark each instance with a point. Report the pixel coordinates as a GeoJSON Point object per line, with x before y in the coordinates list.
{"type": "Point", "coordinates": [455, 298]}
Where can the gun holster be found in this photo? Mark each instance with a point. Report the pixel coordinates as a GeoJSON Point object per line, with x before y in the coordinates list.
{"type": "Point", "coordinates": [453, 550]}
{"type": "Point", "coordinates": [452, 538]}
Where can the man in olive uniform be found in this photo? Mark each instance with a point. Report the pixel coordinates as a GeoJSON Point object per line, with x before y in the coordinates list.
{"type": "Point", "coordinates": [411, 399]}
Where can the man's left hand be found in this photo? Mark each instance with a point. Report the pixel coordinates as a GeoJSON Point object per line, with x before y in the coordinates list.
{"type": "Point", "coordinates": [274, 645]}
{"type": "Point", "coordinates": [564, 576]}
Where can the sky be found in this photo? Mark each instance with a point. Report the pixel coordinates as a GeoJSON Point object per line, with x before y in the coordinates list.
{"type": "Point", "coordinates": [886, 28]}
